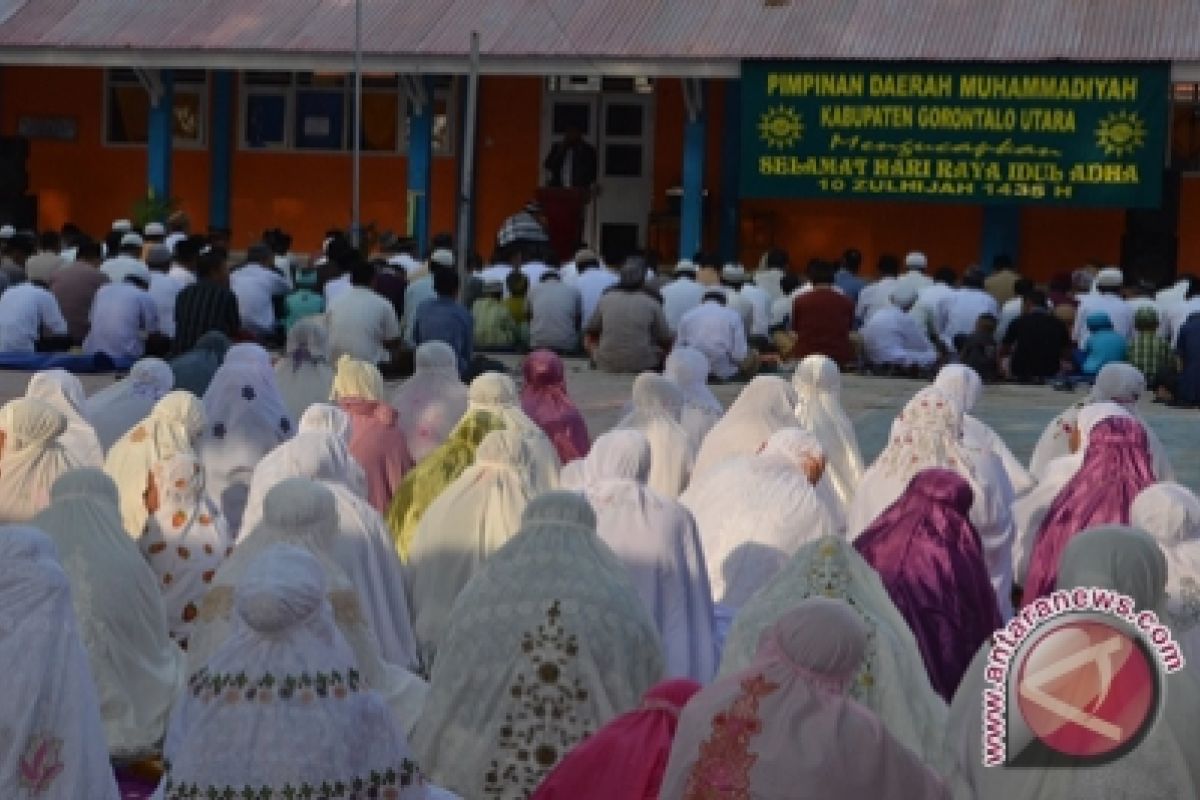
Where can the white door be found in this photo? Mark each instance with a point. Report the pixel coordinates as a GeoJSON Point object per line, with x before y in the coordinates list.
{"type": "Point", "coordinates": [621, 127]}
{"type": "Point", "coordinates": [626, 182]}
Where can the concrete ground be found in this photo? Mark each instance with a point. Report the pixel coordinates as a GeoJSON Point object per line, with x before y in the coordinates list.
{"type": "Point", "coordinates": [1017, 413]}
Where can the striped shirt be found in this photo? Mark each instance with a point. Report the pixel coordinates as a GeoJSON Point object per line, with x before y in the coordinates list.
{"type": "Point", "coordinates": [202, 307]}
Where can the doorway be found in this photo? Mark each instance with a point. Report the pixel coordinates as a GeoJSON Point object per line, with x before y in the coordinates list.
{"type": "Point", "coordinates": [617, 117]}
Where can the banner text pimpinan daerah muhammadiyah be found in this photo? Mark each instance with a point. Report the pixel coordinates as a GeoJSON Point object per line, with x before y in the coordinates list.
{"type": "Point", "coordinates": [1076, 134]}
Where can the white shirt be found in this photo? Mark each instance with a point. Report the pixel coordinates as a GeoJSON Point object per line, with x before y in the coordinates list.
{"type": "Point", "coordinates": [760, 302]}
{"type": "Point", "coordinates": [873, 297]}
{"type": "Point", "coordinates": [927, 309]}
{"type": "Point", "coordinates": [914, 279]}
{"type": "Point", "coordinates": [336, 288]}
{"type": "Point", "coordinates": [25, 309]}
{"type": "Point", "coordinates": [679, 297]}
{"type": "Point", "coordinates": [163, 290]}
{"type": "Point", "coordinates": [119, 267]}
{"type": "Point", "coordinates": [742, 305]}
{"type": "Point", "coordinates": [718, 333]}
{"type": "Point", "coordinates": [960, 311]}
{"type": "Point", "coordinates": [591, 284]}
{"type": "Point", "coordinates": [121, 314]}
{"type": "Point", "coordinates": [1117, 309]}
{"type": "Point", "coordinates": [182, 274]}
{"type": "Point", "coordinates": [360, 321]}
{"type": "Point", "coordinates": [415, 295]}
{"type": "Point", "coordinates": [534, 270]}
{"type": "Point", "coordinates": [496, 273]}
{"type": "Point", "coordinates": [892, 336]}
{"type": "Point", "coordinates": [255, 287]}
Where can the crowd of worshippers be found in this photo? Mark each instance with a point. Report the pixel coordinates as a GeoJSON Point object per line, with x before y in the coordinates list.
{"type": "Point", "coordinates": [240, 579]}
{"type": "Point", "coordinates": [158, 291]}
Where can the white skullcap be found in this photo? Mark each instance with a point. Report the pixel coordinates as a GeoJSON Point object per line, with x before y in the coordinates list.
{"type": "Point", "coordinates": [904, 296]}
{"type": "Point", "coordinates": [132, 240]}
{"type": "Point", "coordinates": [122, 225]}
{"type": "Point", "coordinates": [442, 257]}
{"type": "Point", "coordinates": [916, 260]}
{"type": "Point", "coordinates": [7, 232]}
{"type": "Point", "coordinates": [1111, 277]}
{"type": "Point", "coordinates": [685, 266]}
{"type": "Point", "coordinates": [154, 229]}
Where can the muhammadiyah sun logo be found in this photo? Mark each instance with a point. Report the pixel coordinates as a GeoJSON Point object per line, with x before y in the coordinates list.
{"type": "Point", "coordinates": [1120, 133]}
{"type": "Point", "coordinates": [780, 127]}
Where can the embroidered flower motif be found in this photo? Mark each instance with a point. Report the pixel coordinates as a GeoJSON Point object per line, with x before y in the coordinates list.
{"type": "Point", "coordinates": [723, 767]}
{"type": "Point", "coordinates": [207, 575]}
{"type": "Point", "coordinates": [219, 430]}
{"type": "Point", "coordinates": [139, 434]}
{"type": "Point", "coordinates": [248, 392]}
{"type": "Point", "coordinates": [189, 612]}
{"type": "Point", "coordinates": [177, 520]}
{"type": "Point", "coordinates": [166, 579]}
{"type": "Point", "coordinates": [205, 519]}
{"type": "Point", "coordinates": [40, 764]}
{"type": "Point", "coordinates": [183, 552]}
{"type": "Point", "coordinates": [156, 548]}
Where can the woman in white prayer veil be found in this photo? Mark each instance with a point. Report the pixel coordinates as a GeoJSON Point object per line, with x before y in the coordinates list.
{"type": "Point", "coordinates": [766, 404]}
{"type": "Point", "coordinates": [926, 434]}
{"type": "Point", "coordinates": [362, 544]}
{"type": "Point", "coordinates": [432, 401]}
{"type": "Point", "coordinates": [496, 393]}
{"type": "Point", "coordinates": [247, 418]}
{"type": "Point", "coordinates": [137, 667]}
{"type": "Point", "coordinates": [1119, 383]}
{"type": "Point", "coordinates": [32, 457]}
{"type": "Point", "coordinates": [964, 386]}
{"type": "Point", "coordinates": [657, 405]}
{"type": "Point", "coordinates": [655, 537]}
{"type": "Point", "coordinates": [1029, 510]}
{"type": "Point", "coordinates": [1164, 765]}
{"type": "Point", "coordinates": [818, 385]}
{"type": "Point", "coordinates": [281, 706]}
{"type": "Point", "coordinates": [115, 409]}
{"type": "Point", "coordinates": [546, 644]}
{"type": "Point", "coordinates": [892, 680]}
{"type": "Point", "coordinates": [468, 522]}
{"type": "Point", "coordinates": [1171, 514]}
{"type": "Point", "coordinates": [687, 368]}
{"type": "Point", "coordinates": [278, 464]}
{"type": "Point", "coordinates": [53, 740]}
{"type": "Point", "coordinates": [754, 512]}
{"type": "Point", "coordinates": [304, 374]}
{"type": "Point", "coordinates": [302, 512]}
{"type": "Point", "coordinates": [63, 391]}
{"type": "Point", "coordinates": [173, 427]}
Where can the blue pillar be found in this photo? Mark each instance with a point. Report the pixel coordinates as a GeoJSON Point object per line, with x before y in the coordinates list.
{"type": "Point", "coordinates": [420, 165]}
{"type": "Point", "coordinates": [1001, 233]}
{"type": "Point", "coordinates": [220, 148]}
{"type": "Point", "coordinates": [161, 134]}
{"type": "Point", "coordinates": [731, 156]}
{"type": "Point", "coordinates": [691, 222]}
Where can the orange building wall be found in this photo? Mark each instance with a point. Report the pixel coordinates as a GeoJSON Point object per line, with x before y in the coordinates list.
{"type": "Point", "coordinates": [1189, 225]}
{"type": "Point", "coordinates": [90, 184]}
{"type": "Point", "coordinates": [508, 163]}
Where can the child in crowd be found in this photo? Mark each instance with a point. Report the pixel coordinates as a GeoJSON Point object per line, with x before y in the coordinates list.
{"type": "Point", "coordinates": [495, 328]}
{"type": "Point", "coordinates": [518, 304]}
{"type": "Point", "coordinates": [1148, 351]}
{"type": "Point", "coordinates": [1104, 345]}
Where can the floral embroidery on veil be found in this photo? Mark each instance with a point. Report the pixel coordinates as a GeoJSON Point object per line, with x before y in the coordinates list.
{"type": "Point", "coordinates": [722, 770]}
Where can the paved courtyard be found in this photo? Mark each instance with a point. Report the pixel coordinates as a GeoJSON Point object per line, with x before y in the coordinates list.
{"type": "Point", "coordinates": [1018, 413]}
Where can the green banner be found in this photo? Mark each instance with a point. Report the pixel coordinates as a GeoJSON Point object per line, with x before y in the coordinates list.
{"type": "Point", "coordinates": [1074, 134]}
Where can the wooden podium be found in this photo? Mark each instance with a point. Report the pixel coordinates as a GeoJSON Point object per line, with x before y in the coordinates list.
{"type": "Point", "coordinates": [563, 208]}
